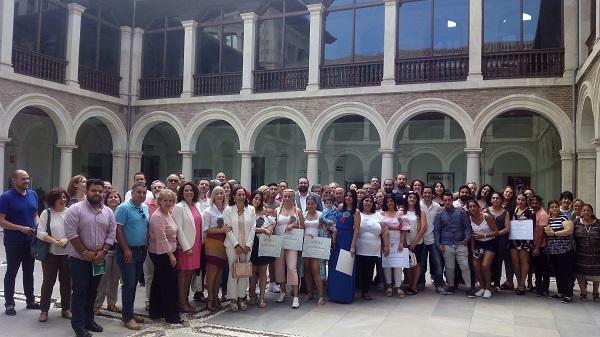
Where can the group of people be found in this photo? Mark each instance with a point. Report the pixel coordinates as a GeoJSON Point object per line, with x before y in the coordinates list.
{"type": "Point", "coordinates": [204, 236]}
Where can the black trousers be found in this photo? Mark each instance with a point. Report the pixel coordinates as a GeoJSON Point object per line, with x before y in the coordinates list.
{"type": "Point", "coordinates": [564, 269]}
{"type": "Point", "coordinates": [164, 294]}
{"type": "Point", "coordinates": [85, 287]}
{"type": "Point", "coordinates": [502, 255]}
{"type": "Point", "coordinates": [542, 271]}
{"type": "Point", "coordinates": [365, 265]}
{"type": "Point", "coordinates": [18, 253]}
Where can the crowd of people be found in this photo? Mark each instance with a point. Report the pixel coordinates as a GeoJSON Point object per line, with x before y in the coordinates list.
{"type": "Point", "coordinates": [181, 238]}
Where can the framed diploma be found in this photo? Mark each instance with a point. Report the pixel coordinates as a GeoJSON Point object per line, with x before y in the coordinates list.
{"type": "Point", "coordinates": [293, 239]}
{"type": "Point", "coordinates": [269, 245]}
{"type": "Point", "coordinates": [318, 248]}
{"type": "Point", "coordinates": [521, 230]}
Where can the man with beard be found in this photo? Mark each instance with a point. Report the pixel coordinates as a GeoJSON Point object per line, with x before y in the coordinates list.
{"type": "Point", "coordinates": [402, 189]}
{"type": "Point", "coordinates": [303, 193]}
{"type": "Point", "coordinates": [464, 195]}
{"type": "Point", "coordinates": [91, 228]}
{"type": "Point", "coordinates": [388, 186]}
{"type": "Point", "coordinates": [204, 200]}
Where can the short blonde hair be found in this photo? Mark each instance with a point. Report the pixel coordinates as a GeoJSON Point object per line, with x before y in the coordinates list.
{"type": "Point", "coordinates": [164, 194]}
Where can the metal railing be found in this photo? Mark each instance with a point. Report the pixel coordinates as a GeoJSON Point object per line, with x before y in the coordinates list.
{"type": "Point", "coordinates": [217, 84]}
{"type": "Point", "coordinates": [280, 80]}
{"type": "Point", "coordinates": [351, 75]}
{"type": "Point", "coordinates": [38, 65]}
{"type": "Point", "coordinates": [162, 87]}
{"type": "Point", "coordinates": [519, 64]}
{"type": "Point", "coordinates": [99, 81]}
{"type": "Point", "coordinates": [432, 69]}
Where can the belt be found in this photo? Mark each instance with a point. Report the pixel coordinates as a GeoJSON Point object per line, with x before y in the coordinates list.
{"type": "Point", "coordinates": [137, 247]}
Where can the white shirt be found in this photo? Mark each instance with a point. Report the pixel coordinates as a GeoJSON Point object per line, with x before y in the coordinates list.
{"type": "Point", "coordinates": [57, 230]}
{"type": "Point", "coordinates": [430, 213]}
{"type": "Point", "coordinates": [302, 202]}
{"type": "Point", "coordinates": [413, 220]}
{"type": "Point", "coordinates": [204, 204]}
{"type": "Point", "coordinates": [369, 235]}
{"type": "Point", "coordinates": [149, 196]}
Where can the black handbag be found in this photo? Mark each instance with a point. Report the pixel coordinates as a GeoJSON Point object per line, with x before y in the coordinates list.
{"type": "Point", "coordinates": [40, 248]}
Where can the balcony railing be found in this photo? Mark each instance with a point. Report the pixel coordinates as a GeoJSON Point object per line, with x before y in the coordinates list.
{"type": "Point", "coordinates": [519, 64]}
{"type": "Point", "coordinates": [99, 81]}
{"type": "Point", "coordinates": [163, 87]}
{"type": "Point", "coordinates": [217, 84]}
{"type": "Point", "coordinates": [38, 65]}
{"type": "Point", "coordinates": [432, 69]}
{"type": "Point", "coordinates": [280, 80]}
{"type": "Point", "coordinates": [351, 75]}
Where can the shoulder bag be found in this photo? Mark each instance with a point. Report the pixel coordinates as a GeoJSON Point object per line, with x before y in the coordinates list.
{"type": "Point", "coordinates": [40, 248]}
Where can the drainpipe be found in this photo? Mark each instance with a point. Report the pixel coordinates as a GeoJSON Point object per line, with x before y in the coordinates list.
{"type": "Point", "coordinates": [129, 96]}
{"type": "Point", "coordinates": [574, 105]}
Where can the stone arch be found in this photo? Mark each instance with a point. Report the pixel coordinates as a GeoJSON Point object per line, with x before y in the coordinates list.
{"type": "Point", "coordinates": [56, 111]}
{"type": "Point", "coordinates": [541, 106]}
{"type": "Point", "coordinates": [201, 120]}
{"type": "Point", "coordinates": [419, 106]}
{"type": "Point", "coordinates": [523, 151]}
{"type": "Point", "coordinates": [331, 114]}
{"type": "Point", "coordinates": [262, 118]}
{"type": "Point", "coordinates": [144, 124]}
{"type": "Point", "coordinates": [110, 119]}
{"type": "Point", "coordinates": [586, 117]}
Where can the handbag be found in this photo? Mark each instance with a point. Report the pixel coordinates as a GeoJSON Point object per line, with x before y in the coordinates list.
{"type": "Point", "coordinates": [40, 248]}
{"type": "Point", "coordinates": [412, 259]}
{"type": "Point", "coordinates": [241, 269]}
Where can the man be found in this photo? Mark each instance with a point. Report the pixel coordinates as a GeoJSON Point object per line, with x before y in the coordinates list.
{"type": "Point", "coordinates": [303, 193]}
{"type": "Point", "coordinates": [148, 268]}
{"type": "Point", "coordinates": [204, 200]}
{"type": "Point", "coordinates": [181, 178]}
{"type": "Point", "coordinates": [338, 195]}
{"type": "Point", "coordinates": [473, 187]}
{"type": "Point", "coordinates": [221, 177]}
{"type": "Point", "coordinates": [317, 188]}
{"type": "Point", "coordinates": [464, 195]}
{"type": "Point", "coordinates": [173, 182]}
{"type": "Point", "coordinates": [152, 204]}
{"type": "Point", "coordinates": [273, 190]}
{"type": "Point", "coordinates": [107, 189]}
{"type": "Point", "coordinates": [19, 218]}
{"type": "Point", "coordinates": [211, 186]}
{"type": "Point", "coordinates": [375, 183]}
{"type": "Point", "coordinates": [401, 190]}
{"type": "Point", "coordinates": [452, 233]}
{"type": "Point", "coordinates": [430, 209]}
{"type": "Point", "coordinates": [132, 233]}
{"type": "Point", "coordinates": [90, 227]}
{"type": "Point", "coordinates": [139, 177]}
{"type": "Point", "coordinates": [388, 186]}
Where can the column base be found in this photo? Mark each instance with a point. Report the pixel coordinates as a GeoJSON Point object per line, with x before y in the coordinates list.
{"type": "Point", "coordinates": [474, 77]}
{"type": "Point", "coordinates": [186, 95]}
{"type": "Point", "coordinates": [312, 87]}
{"type": "Point", "coordinates": [71, 83]}
{"type": "Point", "coordinates": [388, 82]}
{"type": "Point", "coordinates": [4, 67]}
{"type": "Point", "coordinates": [246, 91]}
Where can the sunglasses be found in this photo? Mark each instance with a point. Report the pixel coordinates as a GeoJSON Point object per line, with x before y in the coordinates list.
{"type": "Point", "coordinates": [173, 180]}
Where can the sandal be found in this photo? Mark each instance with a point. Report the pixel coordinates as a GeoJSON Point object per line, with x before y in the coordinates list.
{"type": "Point", "coordinates": [401, 293]}
{"type": "Point", "coordinates": [596, 297]}
{"type": "Point", "coordinates": [388, 291]}
{"type": "Point", "coordinates": [210, 306]}
{"type": "Point", "coordinates": [321, 301]}
{"type": "Point", "coordinates": [583, 297]}
{"type": "Point", "coordinates": [262, 304]}
{"type": "Point", "coordinates": [113, 308]}
{"type": "Point", "coordinates": [410, 292]}
{"type": "Point", "coordinates": [506, 286]}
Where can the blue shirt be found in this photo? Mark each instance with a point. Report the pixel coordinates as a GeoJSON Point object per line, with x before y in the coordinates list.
{"type": "Point", "coordinates": [20, 210]}
{"type": "Point", "coordinates": [452, 227]}
{"type": "Point", "coordinates": [329, 215]}
{"type": "Point", "coordinates": [134, 220]}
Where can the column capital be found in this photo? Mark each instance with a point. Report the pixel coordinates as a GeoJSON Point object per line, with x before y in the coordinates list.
{"type": "Point", "coordinates": [251, 16]}
{"type": "Point", "coordinates": [390, 2]}
{"type": "Point", "coordinates": [387, 151]}
{"type": "Point", "coordinates": [75, 8]}
{"type": "Point", "coordinates": [312, 152]}
{"type": "Point", "coordinates": [587, 153]}
{"type": "Point", "coordinates": [4, 140]}
{"type": "Point", "coordinates": [118, 154]}
{"type": "Point", "coordinates": [189, 24]}
{"type": "Point", "coordinates": [67, 147]}
{"type": "Point", "coordinates": [138, 31]}
{"type": "Point", "coordinates": [596, 142]}
{"type": "Point", "coordinates": [315, 8]}
{"type": "Point", "coordinates": [125, 29]}
{"type": "Point", "coordinates": [566, 154]}
{"type": "Point", "coordinates": [246, 153]}
{"type": "Point", "coordinates": [470, 150]}
{"type": "Point", "coordinates": [136, 154]}
{"type": "Point", "coordinates": [186, 153]}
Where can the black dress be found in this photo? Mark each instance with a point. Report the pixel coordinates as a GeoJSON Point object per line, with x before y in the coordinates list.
{"type": "Point", "coordinates": [261, 222]}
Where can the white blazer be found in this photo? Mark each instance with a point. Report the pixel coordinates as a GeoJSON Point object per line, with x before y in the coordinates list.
{"type": "Point", "coordinates": [230, 217]}
{"type": "Point", "coordinates": [186, 228]}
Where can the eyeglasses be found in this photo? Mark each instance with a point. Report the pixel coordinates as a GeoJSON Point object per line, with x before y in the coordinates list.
{"type": "Point", "coordinates": [173, 180]}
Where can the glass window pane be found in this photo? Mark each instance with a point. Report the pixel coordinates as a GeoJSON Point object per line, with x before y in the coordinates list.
{"type": "Point", "coordinates": [233, 47]}
{"type": "Point", "coordinates": [213, 15]}
{"type": "Point", "coordinates": [297, 41]}
{"type": "Point", "coordinates": [451, 27]}
{"type": "Point", "coordinates": [231, 14]}
{"type": "Point", "coordinates": [414, 32]}
{"type": "Point", "coordinates": [208, 50]}
{"type": "Point", "coordinates": [174, 21]}
{"type": "Point", "coordinates": [54, 30]}
{"type": "Point", "coordinates": [275, 8]}
{"type": "Point", "coordinates": [156, 23]}
{"type": "Point", "coordinates": [110, 43]}
{"type": "Point", "coordinates": [337, 37]}
{"type": "Point", "coordinates": [341, 3]}
{"type": "Point", "coordinates": [542, 24]}
{"type": "Point", "coordinates": [87, 44]}
{"type": "Point", "coordinates": [368, 37]}
{"type": "Point", "coordinates": [294, 6]}
{"type": "Point", "coordinates": [25, 24]}
{"type": "Point", "coordinates": [501, 25]}
{"type": "Point", "coordinates": [270, 53]}
{"type": "Point", "coordinates": [153, 55]}
{"type": "Point", "coordinates": [174, 64]}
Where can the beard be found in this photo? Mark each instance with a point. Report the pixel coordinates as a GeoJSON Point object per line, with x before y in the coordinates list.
{"type": "Point", "coordinates": [464, 198]}
{"type": "Point", "coordinates": [303, 189]}
{"type": "Point", "coordinates": [95, 200]}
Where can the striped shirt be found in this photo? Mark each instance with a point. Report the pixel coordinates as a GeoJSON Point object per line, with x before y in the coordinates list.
{"type": "Point", "coordinates": [559, 244]}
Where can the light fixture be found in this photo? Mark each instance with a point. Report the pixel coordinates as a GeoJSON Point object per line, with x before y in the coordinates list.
{"type": "Point", "coordinates": [526, 17]}
{"type": "Point", "coordinates": [451, 24]}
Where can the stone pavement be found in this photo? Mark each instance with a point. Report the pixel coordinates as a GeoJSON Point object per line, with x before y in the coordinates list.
{"type": "Point", "coordinates": [426, 314]}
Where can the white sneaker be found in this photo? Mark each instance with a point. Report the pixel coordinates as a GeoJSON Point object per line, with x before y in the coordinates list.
{"type": "Point", "coordinates": [480, 292]}
{"type": "Point", "coordinates": [281, 298]}
{"type": "Point", "coordinates": [487, 294]}
{"type": "Point", "coordinates": [274, 288]}
{"type": "Point", "coordinates": [295, 303]}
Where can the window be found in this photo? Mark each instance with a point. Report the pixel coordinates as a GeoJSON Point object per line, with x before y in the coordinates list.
{"type": "Point", "coordinates": [163, 48]}
{"type": "Point", "coordinates": [283, 36]}
{"type": "Point", "coordinates": [354, 31]}
{"type": "Point", "coordinates": [522, 25]}
{"type": "Point", "coordinates": [220, 37]}
{"type": "Point", "coordinates": [41, 26]}
{"type": "Point", "coordinates": [100, 40]}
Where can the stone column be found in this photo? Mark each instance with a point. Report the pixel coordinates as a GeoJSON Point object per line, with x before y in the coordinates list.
{"type": "Point", "coordinates": [118, 171]}
{"type": "Point", "coordinates": [473, 164]}
{"type": "Point", "coordinates": [7, 15]}
{"type": "Point", "coordinates": [73, 34]}
{"type": "Point", "coordinates": [586, 175]}
{"type": "Point", "coordinates": [249, 52]}
{"type": "Point", "coordinates": [389, 42]}
{"type": "Point", "coordinates": [135, 165]}
{"type": "Point", "coordinates": [136, 65]}
{"type": "Point", "coordinates": [124, 61]}
{"type": "Point", "coordinates": [186, 164]}
{"type": "Point", "coordinates": [566, 159]}
{"type": "Point", "coordinates": [189, 58]}
{"type": "Point", "coordinates": [312, 166]}
{"type": "Point", "coordinates": [475, 40]}
{"type": "Point", "coordinates": [66, 164]}
{"type": "Point", "coordinates": [596, 143]}
{"type": "Point", "coordinates": [3, 142]}
{"type": "Point", "coordinates": [314, 57]}
{"type": "Point", "coordinates": [570, 37]}
{"type": "Point", "coordinates": [387, 164]}
{"type": "Point", "coordinates": [597, 20]}
{"type": "Point", "coordinates": [246, 169]}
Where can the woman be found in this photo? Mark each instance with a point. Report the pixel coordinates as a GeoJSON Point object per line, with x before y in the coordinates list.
{"type": "Point", "coordinates": [394, 223]}
{"type": "Point", "coordinates": [566, 203]}
{"type": "Point", "coordinates": [162, 244]}
{"type": "Point", "coordinates": [539, 256]}
{"type": "Point", "coordinates": [313, 227]}
{"type": "Point", "coordinates": [414, 239]}
{"type": "Point", "coordinates": [109, 284]}
{"type": "Point", "coordinates": [379, 200]}
{"type": "Point", "coordinates": [502, 220]}
{"type": "Point", "coordinates": [484, 196]}
{"type": "Point", "coordinates": [438, 190]}
{"type": "Point", "coordinates": [483, 246]}
{"type": "Point", "coordinates": [288, 217]}
{"type": "Point", "coordinates": [520, 250]}
{"type": "Point", "coordinates": [341, 286]}
{"type": "Point", "coordinates": [508, 200]}
{"type": "Point", "coordinates": [238, 244]}
{"type": "Point", "coordinates": [587, 254]}
{"type": "Point", "coordinates": [561, 251]}
{"type": "Point", "coordinates": [76, 189]}
{"type": "Point", "coordinates": [366, 244]}
{"type": "Point", "coordinates": [264, 225]}
{"type": "Point", "coordinates": [227, 187]}
{"type": "Point", "coordinates": [417, 186]}
{"type": "Point", "coordinates": [188, 217]}
{"type": "Point", "coordinates": [216, 258]}
{"type": "Point", "coordinates": [51, 229]}
{"type": "Point", "coordinates": [577, 205]}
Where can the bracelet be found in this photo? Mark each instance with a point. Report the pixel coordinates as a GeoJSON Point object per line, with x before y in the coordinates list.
{"type": "Point", "coordinates": [85, 252]}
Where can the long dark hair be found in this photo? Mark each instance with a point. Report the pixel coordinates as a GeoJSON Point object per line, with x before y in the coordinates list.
{"type": "Point", "coordinates": [488, 198]}
{"type": "Point", "coordinates": [417, 203]}
{"type": "Point", "coordinates": [361, 207]}
{"type": "Point", "coordinates": [260, 207]}
{"type": "Point", "coordinates": [234, 191]}
{"type": "Point", "coordinates": [354, 200]}
{"type": "Point", "coordinates": [194, 189]}
{"type": "Point", "coordinates": [387, 197]}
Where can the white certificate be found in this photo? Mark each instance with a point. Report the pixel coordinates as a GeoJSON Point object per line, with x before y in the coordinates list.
{"type": "Point", "coordinates": [292, 239]}
{"type": "Point", "coordinates": [395, 259]}
{"type": "Point", "coordinates": [345, 263]}
{"type": "Point", "coordinates": [269, 245]}
{"type": "Point", "coordinates": [521, 230]}
{"type": "Point", "coordinates": [318, 248]}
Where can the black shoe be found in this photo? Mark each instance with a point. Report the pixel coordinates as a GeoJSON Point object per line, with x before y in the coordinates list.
{"type": "Point", "coordinates": [176, 320]}
{"type": "Point", "coordinates": [94, 327]}
{"type": "Point", "coordinates": [10, 311]}
{"type": "Point", "coordinates": [33, 306]}
{"type": "Point", "coordinates": [470, 293]}
{"type": "Point", "coordinates": [82, 333]}
{"type": "Point", "coordinates": [566, 300]}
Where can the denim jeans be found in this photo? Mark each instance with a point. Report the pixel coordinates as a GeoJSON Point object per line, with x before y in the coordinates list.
{"type": "Point", "coordinates": [129, 275]}
{"type": "Point", "coordinates": [84, 287]}
{"type": "Point", "coordinates": [435, 265]}
{"type": "Point", "coordinates": [460, 254]}
{"type": "Point", "coordinates": [18, 253]}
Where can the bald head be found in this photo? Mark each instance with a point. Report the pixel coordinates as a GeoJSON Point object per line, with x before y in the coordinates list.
{"type": "Point", "coordinates": [20, 180]}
